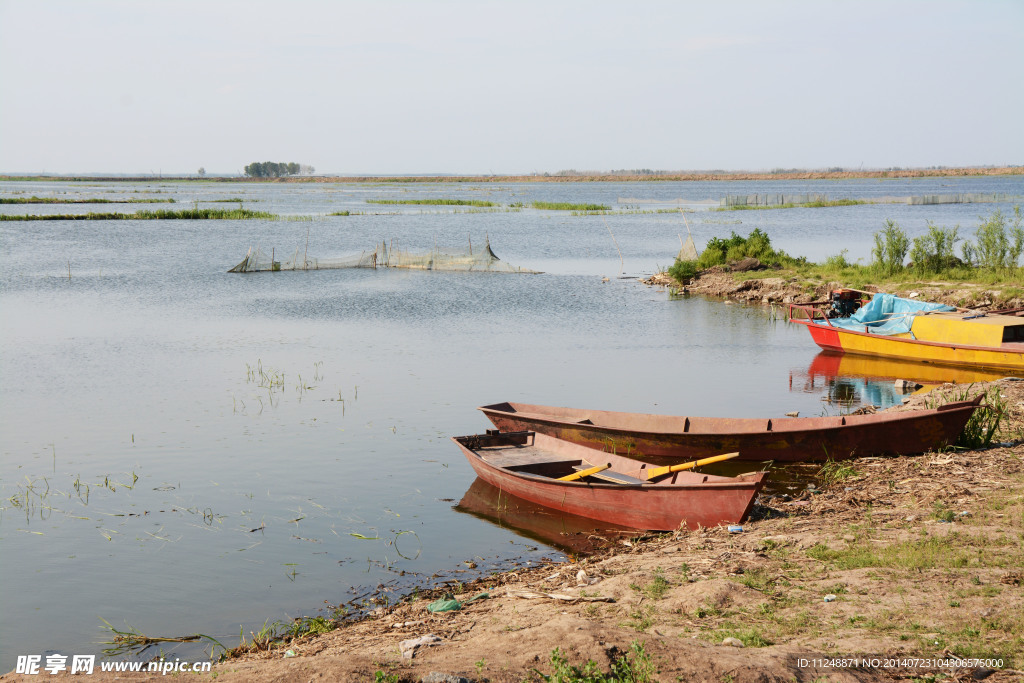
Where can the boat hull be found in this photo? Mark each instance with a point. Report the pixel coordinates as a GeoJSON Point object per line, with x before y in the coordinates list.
{"type": "Point", "coordinates": [850, 341]}
{"type": "Point", "coordinates": [662, 439]}
{"type": "Point", "coordinates": [557, 528]}
{"type": "Point", "coordinates": [685, 499]}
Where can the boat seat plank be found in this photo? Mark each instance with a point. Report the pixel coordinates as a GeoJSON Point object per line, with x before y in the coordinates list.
{"type": "Point", "coordinates": [613, 477]}
{"type": "Point", "coordinates": [513, 456]}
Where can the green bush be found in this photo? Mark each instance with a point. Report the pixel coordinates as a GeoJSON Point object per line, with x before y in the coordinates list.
{"type": "Point", "coordinates": [684, 271]}
{"type": "Point", "coordinates": [934, 252]}
{"type": "Point", "coordinates": [756, 245]}
{"type": "Point", "coordinates": [891, 245]}
{"type": "Point", "coordinates": [999, 245]}
{"type": "Point", "coordinates": [838, 261]}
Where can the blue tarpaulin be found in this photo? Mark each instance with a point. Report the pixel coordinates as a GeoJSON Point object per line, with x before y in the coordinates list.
{"type": "Point", "coordinates": [886, 314]}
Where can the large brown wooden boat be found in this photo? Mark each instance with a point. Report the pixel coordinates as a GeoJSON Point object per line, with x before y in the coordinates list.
{"type": "Point", "coordinates": [660, 439]}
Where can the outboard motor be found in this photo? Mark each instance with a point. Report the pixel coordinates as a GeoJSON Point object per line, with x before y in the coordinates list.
{"type": "Point", "coordinates": [845, 303]}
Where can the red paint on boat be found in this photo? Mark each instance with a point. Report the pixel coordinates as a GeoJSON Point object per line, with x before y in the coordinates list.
{"type": "Point", "coordinates": [527, 464]}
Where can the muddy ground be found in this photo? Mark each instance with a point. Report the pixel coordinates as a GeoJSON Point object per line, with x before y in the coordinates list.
{"type": "Point", "coordinates": [890, 558]}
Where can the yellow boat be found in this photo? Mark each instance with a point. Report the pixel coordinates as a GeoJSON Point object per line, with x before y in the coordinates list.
{"type": "Point", "coordinates": [892, 327]}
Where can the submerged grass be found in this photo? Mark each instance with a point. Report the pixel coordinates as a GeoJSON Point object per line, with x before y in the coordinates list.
{"type": "Point", "coordinates": [808, 205]}
{"type": "Point", "coordinates": [59, 200]}
{"type": "Point", "coordinates": [434, 202]}
{"type": "Point", "coordinates": [132, 641]}
{"type": "Point", "coordinates": [184, 214]}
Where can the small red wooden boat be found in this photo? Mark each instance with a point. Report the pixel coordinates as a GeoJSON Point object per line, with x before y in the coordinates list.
{"type": "Point", "coordinates": [528, 465]}
{"type": "Point", "coordinates": [659, 439]}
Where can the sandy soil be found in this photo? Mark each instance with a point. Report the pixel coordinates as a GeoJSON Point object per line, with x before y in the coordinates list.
{"type": "Point", "coordinates": [919, 556]}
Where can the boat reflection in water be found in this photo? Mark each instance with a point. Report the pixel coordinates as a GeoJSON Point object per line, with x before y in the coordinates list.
{"type": "Point", "coordinates": [852, 379]}
{"type": "Point", "coordinates": [569, 533]}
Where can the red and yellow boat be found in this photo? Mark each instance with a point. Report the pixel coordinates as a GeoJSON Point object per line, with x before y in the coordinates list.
{"type": "Point", "coordinates": [891, 327]}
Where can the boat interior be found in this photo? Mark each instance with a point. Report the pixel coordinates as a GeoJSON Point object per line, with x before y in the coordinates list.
{"type": "Point", "coordinates": [543, 456]}
{"type": "Point", "coordinates": [671, 424]}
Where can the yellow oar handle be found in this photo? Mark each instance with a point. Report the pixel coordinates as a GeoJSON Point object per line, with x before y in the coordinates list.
{"type": "Point", "coordinates": [669, 469]}
{"type": "Point", "coordinates": [584, 473]}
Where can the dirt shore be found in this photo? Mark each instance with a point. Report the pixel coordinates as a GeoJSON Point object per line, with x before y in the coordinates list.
{"type": "Point", "coordinates": [770, 289]}
{"type": "Point", "coordinates": [891, 559]}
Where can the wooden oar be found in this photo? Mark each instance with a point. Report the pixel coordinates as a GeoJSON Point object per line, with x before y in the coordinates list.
{"type": "Point", "coordinates": [584, 473]}
{"type": "Point", "coordinates": [656, 472]}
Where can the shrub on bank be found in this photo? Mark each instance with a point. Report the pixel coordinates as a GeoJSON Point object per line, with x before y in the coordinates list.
{"type": "Point", "coordinates": [994, 257]}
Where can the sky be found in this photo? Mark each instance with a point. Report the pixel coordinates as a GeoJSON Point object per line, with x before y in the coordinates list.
{"type": "Point", "coordinates": [479, 87]}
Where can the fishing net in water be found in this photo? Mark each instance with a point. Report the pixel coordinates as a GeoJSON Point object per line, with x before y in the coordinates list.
{"type": "Point", "coordinates": [479, 259]}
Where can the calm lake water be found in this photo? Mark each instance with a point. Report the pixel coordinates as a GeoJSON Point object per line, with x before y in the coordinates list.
{"type": "Point", "coordinates": [187, 450]}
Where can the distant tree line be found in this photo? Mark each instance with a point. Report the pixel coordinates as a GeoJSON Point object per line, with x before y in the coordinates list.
{"type": "Point", "coordinates": [275, 169]}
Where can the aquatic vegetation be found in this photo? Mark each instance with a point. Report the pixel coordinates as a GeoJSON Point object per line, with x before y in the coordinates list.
{"type": "Point", "coordinates": [132, 641]}
{"type": "Point", "coordinates": [821, 203]}
{"type": "Point", "coordinates": [60, 200]}
{"type": "Point", "coordinates": [434, 202]}
{"type": "Point", "coordinates": [567, 206]}
{"type": "Point", "coordinates": [184, 214]}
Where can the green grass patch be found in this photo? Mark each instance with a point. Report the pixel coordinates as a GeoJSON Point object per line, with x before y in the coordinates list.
{"type": "Point", "coordinates": [951, 551]}
{"type": "Point", "coordinates": [655, 589]}
{"type": "Point", "coordinates": [835, 472]}
{"type": "Point", "coordinates": [566, 206]}
{"type": "Point", "coordinates": [634, 666]}
{"type": "Point", "coordinates": [184, 214]}
{"type": "Point", "coordinates": [758, 579]}
{"type": "Point", "coordinates": [748, 636]}
{"type": "Point", "coordinates": [434, 202]}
